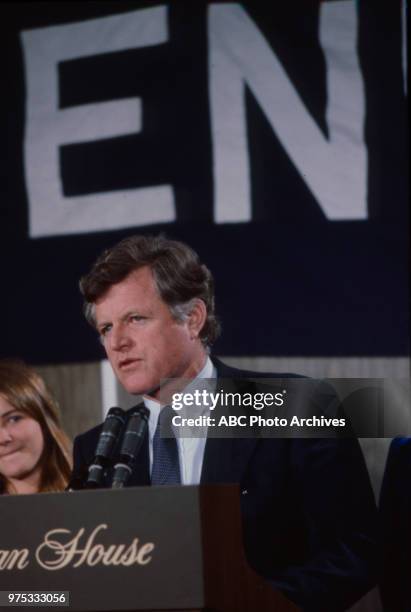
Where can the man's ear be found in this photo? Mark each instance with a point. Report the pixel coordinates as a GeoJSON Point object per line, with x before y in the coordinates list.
{"type": "Point", "coordinates": [197, 318]}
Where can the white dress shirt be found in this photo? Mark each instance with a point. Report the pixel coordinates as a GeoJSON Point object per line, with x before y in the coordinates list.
{"type": "Point", "coordinates": [190, 450]}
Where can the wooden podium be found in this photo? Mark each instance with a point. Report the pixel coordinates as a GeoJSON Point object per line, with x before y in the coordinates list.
{"type": "Point", "coordinates": [145, 548]}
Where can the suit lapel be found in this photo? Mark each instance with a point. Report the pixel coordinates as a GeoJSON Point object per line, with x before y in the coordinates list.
{"type": "Point", "coordinates": [225, 459]}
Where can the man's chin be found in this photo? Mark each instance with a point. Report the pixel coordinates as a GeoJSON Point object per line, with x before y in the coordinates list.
{"type": "Point", "coordinates": [140, 387]}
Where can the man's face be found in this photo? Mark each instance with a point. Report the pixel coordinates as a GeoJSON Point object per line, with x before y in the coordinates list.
{"type": "Point", "coordinates": [143, 342]}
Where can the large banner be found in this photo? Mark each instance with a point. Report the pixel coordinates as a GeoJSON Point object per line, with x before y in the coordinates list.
{"type": "Point", "coordinates": [271, 137]}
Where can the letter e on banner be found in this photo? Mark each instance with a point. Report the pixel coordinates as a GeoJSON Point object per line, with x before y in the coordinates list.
{"type": "Point", "coordinates": [47, 127]}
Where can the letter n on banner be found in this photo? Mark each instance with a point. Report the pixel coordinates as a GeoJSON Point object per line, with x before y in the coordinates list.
{"type": "Point", "coordinates": [334, 168]}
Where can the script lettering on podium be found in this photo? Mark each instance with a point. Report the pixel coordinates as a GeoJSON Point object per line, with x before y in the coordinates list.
{"type": "Point", "coordinates": [59, 549]}
{"type": "Point", "coordinates": [13, 559]}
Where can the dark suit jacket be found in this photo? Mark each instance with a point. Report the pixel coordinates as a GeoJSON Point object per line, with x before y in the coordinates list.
{"type": "Point", "coordinates": [395, 528]}
{"type": "Point", "coordinates": [307, 506]}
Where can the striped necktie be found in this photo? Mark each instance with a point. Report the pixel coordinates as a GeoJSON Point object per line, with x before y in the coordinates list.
{"type": "Point", "coordinates": [166, 464]}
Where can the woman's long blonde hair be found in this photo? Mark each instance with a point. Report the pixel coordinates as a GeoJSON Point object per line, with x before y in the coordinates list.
{"type": "Point", "coordinates": [26, 391]}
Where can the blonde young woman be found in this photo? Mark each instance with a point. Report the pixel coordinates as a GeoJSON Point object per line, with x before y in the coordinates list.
{"type": "Point", "coordinates": [35, 453]}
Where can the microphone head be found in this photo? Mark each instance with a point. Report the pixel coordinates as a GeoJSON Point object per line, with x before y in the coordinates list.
{"type": "Point", "coordinates": [134, 434]}
{"type": "Point", "coordinates": [116, 411]}
{"type": "Point", "coordinates": [114, 423]}
{"type": "Point", "coordinates": [109, 435]}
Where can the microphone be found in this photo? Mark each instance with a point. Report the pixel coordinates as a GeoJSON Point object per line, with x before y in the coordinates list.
{"type": "Point", "coordinates": [109, 435]}
{"type": "Point", "coordinates": [132, 441]}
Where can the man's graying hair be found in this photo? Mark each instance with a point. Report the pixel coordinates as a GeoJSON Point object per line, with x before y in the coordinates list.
{"type": "Point", "coordinates": [179, 275]}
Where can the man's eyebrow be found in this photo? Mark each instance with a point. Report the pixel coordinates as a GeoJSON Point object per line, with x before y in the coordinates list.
{"type": "Point", "coordinates": [135, 311]}
{"type": "Point", "coordinates": [101, 323]}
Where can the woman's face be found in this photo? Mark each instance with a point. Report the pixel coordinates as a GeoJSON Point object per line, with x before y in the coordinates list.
{"type": "Point", "coordinates": [21, 448]}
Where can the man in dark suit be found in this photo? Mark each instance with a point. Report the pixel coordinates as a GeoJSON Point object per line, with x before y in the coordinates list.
{"type": "Point", "coordinates": [307, 506]}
